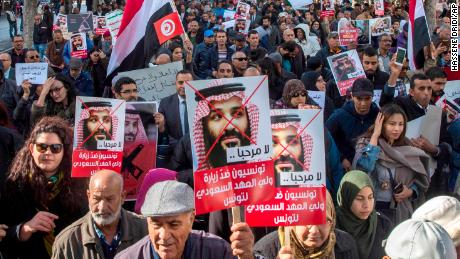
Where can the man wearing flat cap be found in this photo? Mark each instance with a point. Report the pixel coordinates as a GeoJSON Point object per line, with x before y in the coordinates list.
{"type": "Point", "coordinates": [208, 122]}
{"type": "Point", "coordinates": [170, 211]}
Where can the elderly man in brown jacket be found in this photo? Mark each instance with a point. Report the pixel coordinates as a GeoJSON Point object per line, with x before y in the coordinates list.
{"type": "Point", "coordinates": [107, 229]}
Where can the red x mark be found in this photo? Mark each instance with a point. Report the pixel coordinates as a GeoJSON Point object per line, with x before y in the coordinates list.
{"type": "Point", "coordinates": [295, 139]}
{"type": "Point", "coordinates": [100, 123]}
{"type": "Point", "coordinates": [200, 163]}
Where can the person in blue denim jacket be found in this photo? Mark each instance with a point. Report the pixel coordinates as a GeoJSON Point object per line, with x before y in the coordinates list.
{"type": "Point", "coordinates": [398, 169]}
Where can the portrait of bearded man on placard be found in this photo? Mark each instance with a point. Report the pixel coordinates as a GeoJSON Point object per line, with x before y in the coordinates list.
{"type": "Point", "coordinates": [226, 100]}
{"type": "Point", "coordinates": [96, 123]}
{"type": "Point", "coordinates": [290, 153]}
{"type": "Point", "coordinates": [343, 65]}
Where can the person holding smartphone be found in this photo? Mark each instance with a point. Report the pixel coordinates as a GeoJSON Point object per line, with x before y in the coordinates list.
{"type": "Point", "coordinates": [398, 169]}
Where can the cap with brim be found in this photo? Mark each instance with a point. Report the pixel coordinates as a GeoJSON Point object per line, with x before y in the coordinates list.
{"type": "Point", "coordinates": [209, 33]}
{"type": "Point", "coordinates": [220, 89]}
{"type": "Point", "coordinates": [284, 118]}
{"type": "Point", "coordinates": [168, 198]}
{"type": "Point", "coordinates": [276, 57]}
{"type": "Point", "coordinates": [75, 63]}
{"type": "Point", "coordinates": [362, 87]}
{"type": "Point", "coordinates": [239, 37]}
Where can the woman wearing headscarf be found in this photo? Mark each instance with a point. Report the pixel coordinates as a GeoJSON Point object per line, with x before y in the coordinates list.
{"type": "Point", "coordinates": [311, 241]}
{"type": "Point", "coordinates": [295, 96]}
{"type": "Point", "coordinates": [314, 81]}
{"type": "Point", "coordinates": [398, 169]}
{"type": "Point", "coordinates": [356, 215]}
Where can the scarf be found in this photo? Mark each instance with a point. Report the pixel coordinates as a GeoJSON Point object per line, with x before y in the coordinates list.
{"type": "Point", "coordinates": [363, 231]}
{"type": "Point", "coordinates": [54, 186]}
{"type": "Point", "coordinates": [325, 251]}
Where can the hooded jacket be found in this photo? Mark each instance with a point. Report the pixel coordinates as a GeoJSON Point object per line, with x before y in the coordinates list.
{"type": "Point", "coordinates": [345, 126]}
{"type": "Point", "coordinates": [310, 45]}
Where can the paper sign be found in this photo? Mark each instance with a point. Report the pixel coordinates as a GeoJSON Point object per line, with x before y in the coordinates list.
{"type": "Point", "coordinates": [327, 8]}
{"type": "Point", "coordinates": [346, 68]}
{"type": "Point", "coordinates": [353, 31]}
{"type": "Point", "coordinates": [100, 25]}
{"type": "Point", "coordinates": [82, 22]}
{"type": "Point", "coordinates": [414, 127]}
{"type": "Point", "coordinates": [380, 26]}
{"type": "Point", "coordinates": [229, 121]}
{"type": "Point", "coordinates": [228, 24]}
{"type": "Point", "coordinates": [36, 73]}
{"type": "Point", "coordinates": [229, 15]}
{"type": "Point", "coordinates": [300, 171]}
{"type": "Point", "coordinates": [140, 145]}
{"type": "Point", "coordinates": [155, 83]}
{"type": "Point", "coordinates": [376, 97]}
{"type": "Point", "coordinates": [114, 23]}
{"type": "Point", "coordinates": [242, 10]}
{"type": "Point", "coordinates": [318, 96]}
{"type": "Point", "coordinates": [379, 7]}
{"type": "Point", "coordinates": [300, 4]}
{"type": "Point", "coordinates": [98, 135]}
{"type": "Point", "coordinates": [450, 101]}
{"type": "Point", "coordinates": [78, 47]}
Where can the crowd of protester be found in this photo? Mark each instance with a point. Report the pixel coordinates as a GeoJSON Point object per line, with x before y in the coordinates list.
{"type": "Point", "coordinates": [383, 197]}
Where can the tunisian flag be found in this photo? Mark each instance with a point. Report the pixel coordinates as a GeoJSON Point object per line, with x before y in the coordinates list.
{"type": "Point", "coordinates": [418, 34]}
{"type": "Point", "coordinates": [143, 29]}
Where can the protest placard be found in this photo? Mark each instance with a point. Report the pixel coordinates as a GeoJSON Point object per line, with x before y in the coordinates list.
{"type": "Point", "coordinates": [242, 25]}
{"type": "Point", "coordinates": [155, 83]}
{"type": "Point", "coordinates": [228, 24]}
{"type": "Point", "coordinates": [346, 68]}
{"type": "Point", "coordinates": [300, 4]}
{"type": "Point", "coordinates": [231, 141]}
{"type": "Point", "coordinates": [353, 31]}
{"type": "Point", "coordinates": [327, 8]}
{"type": "Point", "coordinates": [377, 96]}
{"type": "Point", "coordinates": [78, 47]}
{"type": "Point", "coordinates": [140, 145]}
{"type": "Point", "coordinates": [300, 171]}
{"type": "Point", "coordinates": [61, 24]}
{"type": "Point", "coordinates": [242, 10]}
{"type": "Point", "coordinates": [229, 15]}
{"type": "Point", "coordinates": [318, 96]}
{"type": "Point", "coordinates": [379, 7]}
{"type": "Point", "coordinates": [101, 25]}
{"type": "Point", "coordinates": [98, 135]}
{"type": "Point", "coordinates": [113, 20]}
{"type": "Point", "coordinates": [380, 26]}
{"type": "Point", "coordinates": [450, 101]}
{"type": "Point", "coordinates": [82, 22]}
{"type": "Point", "coordinates": [36, 73]}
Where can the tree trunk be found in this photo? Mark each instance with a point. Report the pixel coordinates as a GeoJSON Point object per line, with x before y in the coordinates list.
{"type": "Point", "coordinates": [430, 14]}
{"type": "Point", "coordinates": [30, 10]}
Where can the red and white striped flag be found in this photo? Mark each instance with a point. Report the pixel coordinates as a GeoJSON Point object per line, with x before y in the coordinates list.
{"type": "Point", "coordinates": [146, 24]}
{"type": "Point", "coordinates": [418, 34]}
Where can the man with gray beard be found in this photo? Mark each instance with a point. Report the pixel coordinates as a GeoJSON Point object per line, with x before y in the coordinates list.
{"type": "Point", "coordinates": [107, 229]}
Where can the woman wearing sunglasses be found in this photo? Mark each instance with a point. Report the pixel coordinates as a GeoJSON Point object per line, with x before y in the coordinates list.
{"type": "Point", "coordinates": [57, 98]}
{"type": "Point", "coordinates": [295, 96]}
{"type": "Point", "coordinates": [40, 198]}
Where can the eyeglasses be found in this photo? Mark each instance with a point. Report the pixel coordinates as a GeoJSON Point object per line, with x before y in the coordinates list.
{"type": "Point", "coordinates": [31, 57]}
{"type": "Point", "coordinates": [42, 148]}
{"type": "Point", "coordinates": [56, 90]}
{"type": "Point", "coordinates": [129, 91]}
{"type": "Point", "coordinates": [241, 59]}
{"type": "Point", "coordinates": [303, 94]}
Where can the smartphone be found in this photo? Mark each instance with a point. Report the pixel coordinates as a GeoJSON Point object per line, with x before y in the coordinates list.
{"type": "Point", "coordinates": [400, 55]}
{"type": "Point", "coordinates": [398, 188]}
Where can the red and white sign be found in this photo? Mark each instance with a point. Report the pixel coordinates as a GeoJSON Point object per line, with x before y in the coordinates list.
{"type": "Point", "coordinates": [168, 27]}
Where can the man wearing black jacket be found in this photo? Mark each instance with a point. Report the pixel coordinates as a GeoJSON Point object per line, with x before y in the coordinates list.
{"type": "Point", "coordinates": [40, 36]}
{"type": "Point", "coordinates": [372, 70]}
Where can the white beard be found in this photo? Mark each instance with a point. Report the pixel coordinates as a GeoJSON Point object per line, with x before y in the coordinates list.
{"type": "Point", "coordinates": [104, 221]}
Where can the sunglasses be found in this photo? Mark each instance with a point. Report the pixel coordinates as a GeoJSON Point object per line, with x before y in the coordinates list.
{"type": "Point", "coordinates": [299, 94]}
{"type": "Point", "coordinates": [36, 56]}
{"type": "Point", "coordinates": [42, 147]}
{"type": "Point", "coordinates": [241, 59]}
